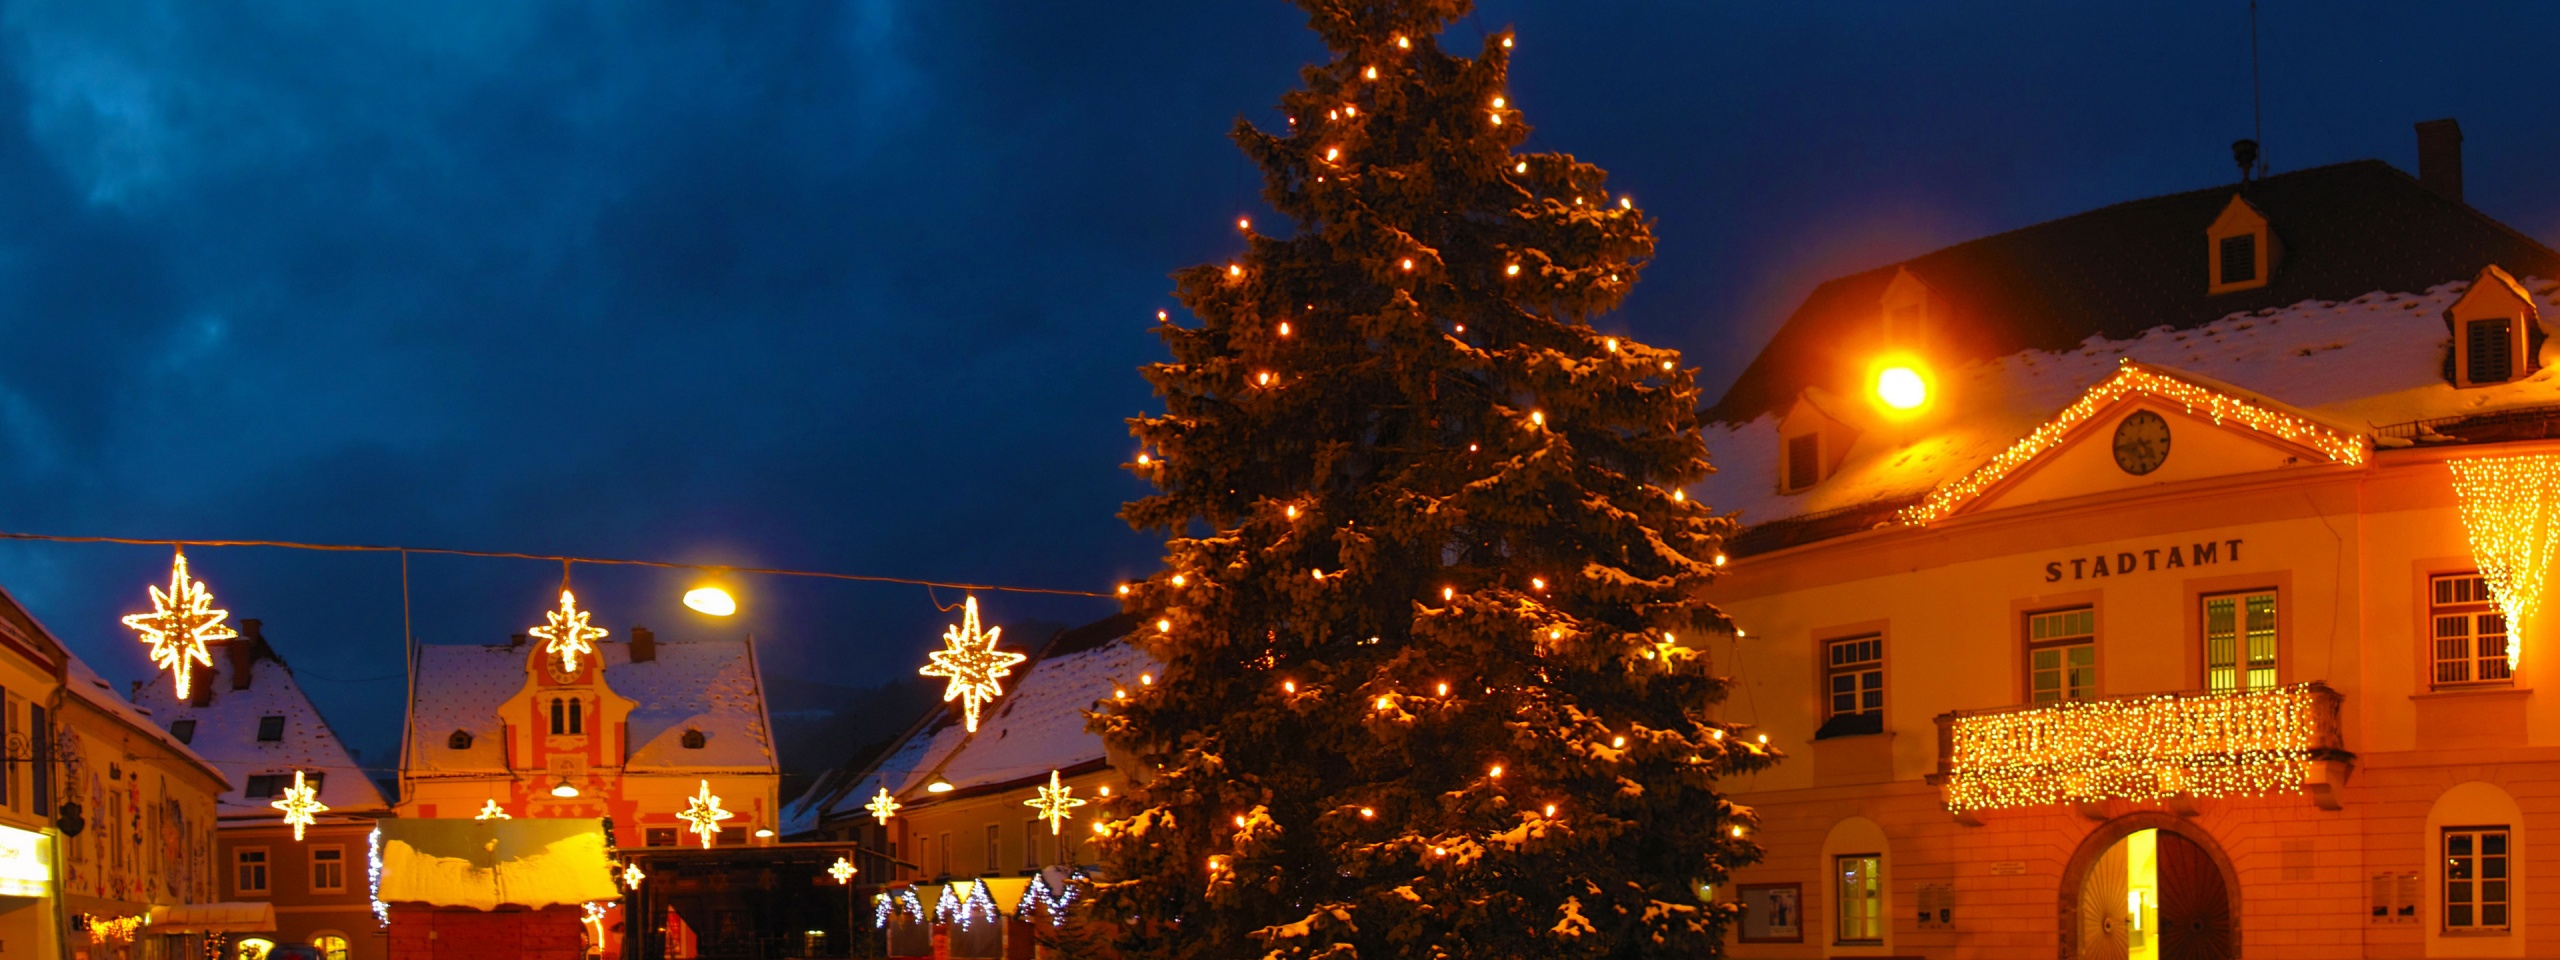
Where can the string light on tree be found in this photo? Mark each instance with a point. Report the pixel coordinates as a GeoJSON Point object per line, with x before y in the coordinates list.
{"type": "Point", "coordinates": [568, 636]}
{"type": "Point", "coordinates": [180, 623]}
{"type": "Point", "coordinates": [489, 810]}
{"type": "Point", "coordinates": [301, 805]}
{"type": "Point", "coordinates": [883, 806]}
{"type": "Point", "coordinates": [702, 814]}
{"type": "Point", "coordinates": [970, 660]}
{"type": "Point", "coordinates": [1055, 803]}
{"type": "Point", "coordinates": [2511, 510]}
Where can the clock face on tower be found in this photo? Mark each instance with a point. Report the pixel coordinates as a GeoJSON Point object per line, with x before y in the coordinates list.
{"type": "Point", "coordinates": [551, 665]}
{"type": "Point", "coordinates": [2142, 442]}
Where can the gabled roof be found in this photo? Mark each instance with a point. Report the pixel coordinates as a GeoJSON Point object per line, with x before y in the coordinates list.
{"type": "Point", "coordinates": [84, 684]}
{"type": "Point", "coordinates": [2113, 273]}
{"type": "Point", "coordinates": [707, 685]}
{"type": "Point", "coordinates": [226, 732]}
{"type": "Point", "coordinates": [1038, 727]}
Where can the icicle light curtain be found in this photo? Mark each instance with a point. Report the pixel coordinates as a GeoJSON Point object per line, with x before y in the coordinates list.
{"type": "Point", "coordinates": [2509, 510]}
{"type": "Point", "coordinates": [2138, 748]}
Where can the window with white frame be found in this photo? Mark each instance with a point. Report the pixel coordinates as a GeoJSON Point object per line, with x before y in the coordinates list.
{"type": "Point", "coordinates": [1031, 844]}
{"type": "Point", "coordinates": [2475, 879]}
{"type": "Point", "coordinates": [2240, 641]}
{"type": "Point", "coordinates": [2469, 635]}
{"type": "Point", "coordinates": [2062, 655]}
{"type": "Point", "coordinates": [249, 870]}
{"type": "Point", "coordinates": [995, 848]}
{"type": "Point", "coordinates": [1859, 879]}
{"type": "Point", "coordinates": [1853, 686]}
{"type": "Point", "coordinates": [328, 869]}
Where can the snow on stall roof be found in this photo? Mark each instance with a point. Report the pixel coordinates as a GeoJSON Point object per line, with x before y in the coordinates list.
{"type": "Point", "coordinates": [706, 685]}
{"type": "Point", "coordinates": [1038, 727]}
{"type": "Point", "coordinates": [2372, 361]}
{"type": "Point", "coordinates": [85, 683]}
{"type": "Point", "coordinates": [226, 732]}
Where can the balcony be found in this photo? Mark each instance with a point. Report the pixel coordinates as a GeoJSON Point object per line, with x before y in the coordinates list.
{"type": "Point", "coordinates": [2162, 746]}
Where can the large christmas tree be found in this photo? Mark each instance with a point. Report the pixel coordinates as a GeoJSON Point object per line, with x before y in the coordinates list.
{"type": "Point", "coordinates": [1429, 686]}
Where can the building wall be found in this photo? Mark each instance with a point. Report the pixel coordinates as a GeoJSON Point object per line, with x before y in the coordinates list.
{"type": "Point", "coordinates": [920, 827]}
{"type": "Point", "coordinates": [305, 911]}
{"type": "Point", "coordinates": [149, 819]}
{"type": "Point", "coordinates": [2349, 549]}
{"type": "Point", "coordinates": [425, 933]}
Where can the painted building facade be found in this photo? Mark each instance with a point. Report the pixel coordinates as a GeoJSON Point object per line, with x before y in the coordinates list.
{"type": "Point", "coordinates": [249, 715]}
{"type": "Point", "coordinates": [2159, 629]}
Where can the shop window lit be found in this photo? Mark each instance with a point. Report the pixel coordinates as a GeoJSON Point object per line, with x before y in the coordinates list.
{"type": "Point", "coordinates": [2062, 655]}
{"type": "Point", "coordinates": [331, 946]}
{"type": "Point", "coordinates": [2475, 879]}
{"type": "Point", "coordinates": [1860, 877]}
{"type": "Point", "coordinates": [252, 948]}
{"type": "Point", "coordinates": [2240, 641]}
{"type": "Point", "coordinates": [2470, 635]}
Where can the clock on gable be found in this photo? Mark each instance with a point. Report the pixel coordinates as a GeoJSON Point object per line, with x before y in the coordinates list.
{"type": "Point", "coordinates": [2142, 442]}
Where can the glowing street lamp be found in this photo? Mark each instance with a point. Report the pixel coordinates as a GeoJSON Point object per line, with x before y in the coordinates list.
{"type": "Point", "coordinates": [711, 600]}
{"type": "Point", "coordinates": [1901, 388]}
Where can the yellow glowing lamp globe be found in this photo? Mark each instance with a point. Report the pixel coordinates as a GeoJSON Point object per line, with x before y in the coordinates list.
{"type": "Point", "coordinates": [1901, 388]}
{"type": "Point", "coordinates": [711, 601]}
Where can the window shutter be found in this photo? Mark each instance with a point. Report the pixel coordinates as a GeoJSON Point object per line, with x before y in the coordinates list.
{"type": "Point", "coordinates": [2490, 350]}
{"type": "Point", "coordinates": [2239, 258]}
{"type": "Point", "coordinates": [1804, 461]}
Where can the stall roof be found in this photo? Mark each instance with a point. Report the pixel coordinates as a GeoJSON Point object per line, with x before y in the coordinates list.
{"type": "Point", "coordinates": [486, 864]}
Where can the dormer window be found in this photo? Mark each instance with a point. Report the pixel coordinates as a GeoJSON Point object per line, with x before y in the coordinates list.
{"type": "Point", "coordinates": [2494, 329]}
{"type": "Point", "coordinates": [693, 739]}
{"type": "Point", "coordinates": [1811, 442]}
{"type": "Point", "coordinates": [2240, 250]}
{"type": "Point", "coordinates": [270, 729]}
{"type": "Point", "coordinates": [1804, 462]}
{"type": "Point", "coordinates": [184, 730]}
{"type": "Point", "coordinates": [459, 740]}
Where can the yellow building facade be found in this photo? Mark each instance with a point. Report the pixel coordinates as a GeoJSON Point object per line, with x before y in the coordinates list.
{"type": "Point", "coordinates": [2196, 637]}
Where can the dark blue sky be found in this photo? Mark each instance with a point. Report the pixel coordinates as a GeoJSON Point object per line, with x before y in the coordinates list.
{"type": "Point", "coordinates": [861, 285]}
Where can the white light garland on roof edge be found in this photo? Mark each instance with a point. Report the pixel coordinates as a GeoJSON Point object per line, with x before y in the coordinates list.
{"type": "Point", "coordinates": [2133, 378]}
{"type": "Point", "coordinates": [2511, 510]}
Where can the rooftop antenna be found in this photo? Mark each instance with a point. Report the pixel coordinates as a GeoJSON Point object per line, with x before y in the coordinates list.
{"type": "Point", "coordinates": [2257, 111]}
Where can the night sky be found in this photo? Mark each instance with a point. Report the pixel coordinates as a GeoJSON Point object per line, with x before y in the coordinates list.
{"type": "Point", "coordinates": [861, 286]}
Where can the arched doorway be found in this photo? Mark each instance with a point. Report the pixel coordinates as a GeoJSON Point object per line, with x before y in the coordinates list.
{"type": "Point", "coordinates": [2149, 887]}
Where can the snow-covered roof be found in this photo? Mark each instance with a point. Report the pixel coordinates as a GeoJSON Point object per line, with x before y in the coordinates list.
{"type": "Point", "coordinates": [1038, 727]}
{"type": "Point", "coordinates": [706, 685]}
{"type": "Point", "coordinates": [80, 681]}
{"type": "Point", "coordinates": [2369, 362]}
{"type": "Point", "coordinates": [226, 732]}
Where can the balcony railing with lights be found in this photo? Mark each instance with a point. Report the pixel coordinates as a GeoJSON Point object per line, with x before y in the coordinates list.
{"type": "Point", "coordinates": [2165, 746]}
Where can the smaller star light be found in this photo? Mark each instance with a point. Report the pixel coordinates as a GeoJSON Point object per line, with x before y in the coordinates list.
{"type": "Point", "coordinates": [632, 875]}
{"type": "Point", "coordinates": [180, 623]}
{"type": "Point", "coordinates": [843, 871]}
{"type": "Point", "coordinates": [702, 810]}
{"type": "Point", "coordinates": [883, 806]}
{"type": "Point", "coordinates": [568, 635]}
{"type": "Point", "coordinates": [489, 811]}
{"type": "Point", "coordinates": [972, 663]}
{"type": "Point", "coordinates": [1054, 803]}
{"type": "Point", "coordinates": [300, 805]}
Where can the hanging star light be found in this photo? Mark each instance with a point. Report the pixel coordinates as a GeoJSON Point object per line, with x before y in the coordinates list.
{"type": "Point", "coordinates": [883, 806]}
{"type": "Point", "coordinates": [2511, 510]}
{"type": "Point", "coordinates": [568, 635]}
{"type": "Point", "coordinates": [489, 810]}
{"type": "Point", "coordinates": [1055, 803]}
{"type": "Point", "coordinates": [972, 663]}
{"type": "Point", "coordinates": [632, 875]}
{"type": "Point", "coordinates": [300, 804]}
{"type": "Point", "coordinates": [702, 810]}
{"type": "Point", "coordinates": [842, 870]}
{"type": "Point", "coordinates": [180, 623]}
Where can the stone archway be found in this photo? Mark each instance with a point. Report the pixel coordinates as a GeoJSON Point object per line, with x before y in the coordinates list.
{"type": "Point", "coordinates": [2204, 944]}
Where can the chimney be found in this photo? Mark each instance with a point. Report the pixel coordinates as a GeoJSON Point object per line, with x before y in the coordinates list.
{"type": "Point", "coordinates": [644, 645]}
{"type": "Point", "coordinates": [515, 640]}
{"type": "Point", "coordinates": [2440, 157]}
{"type": "Point", "coordinates": [243, 651]}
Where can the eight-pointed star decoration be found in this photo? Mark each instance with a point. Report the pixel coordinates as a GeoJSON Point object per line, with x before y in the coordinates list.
{"type": "Point", "coordinates": [301, 804]}
{"type": "Point", "coordinates": [883, 806]}
{"type": "Point", "coordinates": [702, 810]}
{"type": "Point", "coordinates": [568, 636]}
{"type": "Point", "coordinates": [970, 660]}
{"type": "Point", "coordinates": [180, 623]}
{"type": "Point", "coordinates": [842, 870]}
{"type": "Point", "coordinates": [632, 875]}
{"type": "Point", "coordinates": [491, 811]}
{"type": "Point", "coordinates": [1055, 802]}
